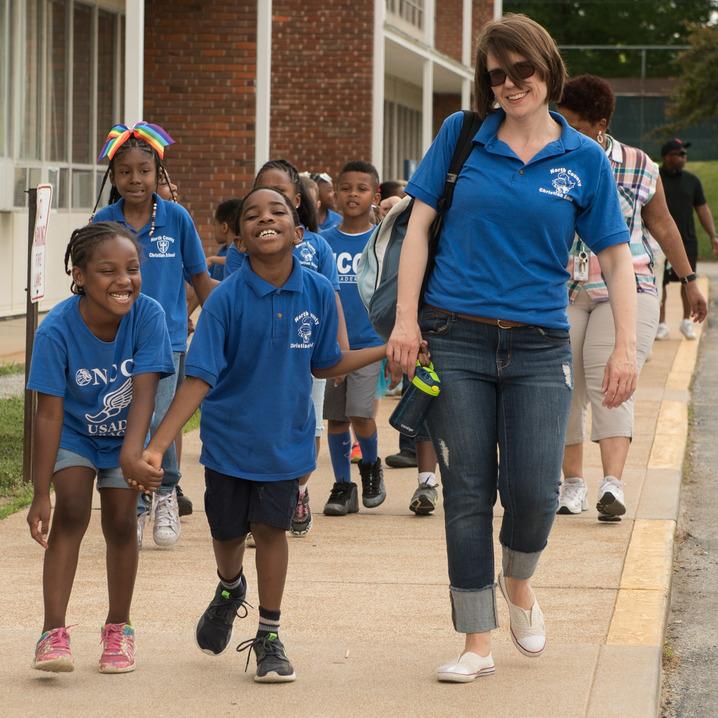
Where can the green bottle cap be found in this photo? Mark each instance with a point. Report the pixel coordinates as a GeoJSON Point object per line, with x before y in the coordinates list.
{"type": "Point", "coordinates": [426, 379]}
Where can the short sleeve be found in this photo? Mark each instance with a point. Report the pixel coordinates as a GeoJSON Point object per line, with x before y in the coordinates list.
{"type": "Point", "coordinates": [326, 351]}
{"type": "Point", "coordinates": [327, 264]}
{"type": "Point", "coordinates": [234, 261]}
{"type": "Point", "coordinates": [699, 198]}
{"type": "Point", "coordinates": [600, 223]}
{"type": "Point", "coordinates": [152, 347]}
{"type": "Point", "coordinates": [427, 183]}
{"type": "Point", "coordinates": [206, 359]}
{"type": "Point", "coordinates": [652, 174]}
{"type": "Point", "coordinates": [48, 367]}
{"type": "Point", "coordinates": [193, 258]}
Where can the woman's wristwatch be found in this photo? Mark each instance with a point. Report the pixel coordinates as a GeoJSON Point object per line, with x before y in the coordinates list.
{"type": "Point", "coordinates": [688, 278]}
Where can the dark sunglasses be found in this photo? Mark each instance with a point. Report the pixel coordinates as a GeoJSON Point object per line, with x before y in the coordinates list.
{"type": "Point", "coordinates": [523, 69]}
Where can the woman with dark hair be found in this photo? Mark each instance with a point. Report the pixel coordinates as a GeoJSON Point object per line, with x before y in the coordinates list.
{"type": "Point", "coordinates": [494, 316]}
{"type": "Point", "coordinates": [588, 104]}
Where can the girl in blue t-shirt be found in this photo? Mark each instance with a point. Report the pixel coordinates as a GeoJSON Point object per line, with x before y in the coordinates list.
{"type": "Point", "coordinates": [97, 360]}
{"type": "Point", "coordinates": [170, 249]}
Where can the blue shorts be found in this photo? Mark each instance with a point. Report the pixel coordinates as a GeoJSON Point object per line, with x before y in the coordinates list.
{"type": "Point", "coordinates": [232, 504]}
{"type": "Point", "coordinates": [106, 478]}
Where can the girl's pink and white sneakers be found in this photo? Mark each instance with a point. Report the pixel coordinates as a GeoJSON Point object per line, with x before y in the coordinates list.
{"type": "Point", "coordinates": [52, 652]}
{"type": "Point", "coordinates": [118, 648]}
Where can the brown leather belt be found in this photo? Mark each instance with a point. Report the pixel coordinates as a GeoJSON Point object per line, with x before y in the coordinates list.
{"type": "Point", "coordinates": [500, 323]}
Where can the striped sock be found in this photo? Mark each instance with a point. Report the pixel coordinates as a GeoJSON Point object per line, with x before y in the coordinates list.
{"type": "Point", "coordinates": [268, 622]}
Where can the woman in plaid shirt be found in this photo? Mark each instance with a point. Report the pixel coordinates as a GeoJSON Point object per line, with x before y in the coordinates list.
{"type": "Point", "coordinates": [588, 104]}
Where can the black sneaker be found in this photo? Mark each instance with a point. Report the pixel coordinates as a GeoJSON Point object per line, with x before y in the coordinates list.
{"type": "Point", "coordinates": [401, 460]}
{"type": "Point", "coordinates": [214, 628]}
{"type": "Point", "coordinates": [302, 516]}
{"type": "Point", "coordinates": [273, 666]}
{"type": "Point", "coordinates": [183, 502]}
{"type": "Point", "coordinates": [373, 492]}
{"type": "Point", "coordinates": [342, 500]}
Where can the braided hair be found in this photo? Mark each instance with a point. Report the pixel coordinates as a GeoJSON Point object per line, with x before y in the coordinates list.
{"type": "Point", "coordinates": [83, 242]}
{"type": "Point", "coordinates": [307, 210]}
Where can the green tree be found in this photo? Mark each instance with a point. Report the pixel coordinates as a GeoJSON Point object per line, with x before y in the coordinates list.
{"type": "Point", "coordinates": [696, 95]}
{"type": "Point", "coordinates": [618, 22]}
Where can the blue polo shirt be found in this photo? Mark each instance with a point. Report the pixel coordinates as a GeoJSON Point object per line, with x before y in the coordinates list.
{"type": "Point", "coordinates": [347, 250]}
{"type": "Point", "coordinates": [334, 219]}
{"type": "Point", "coordinates": [94, 377]}
{"type": "Point", "coordinates": [216, 271]}
{"type": "Point", "coordinates": [174, 247]}
{"type": "Point", "coordinates": [313, 253]}
{"type": "Point", "coordinates": [505, 241]}
{"type": "Point", "coordinates": [256, 345]}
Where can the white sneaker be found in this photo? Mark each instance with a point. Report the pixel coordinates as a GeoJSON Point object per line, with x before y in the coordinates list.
{"type": "Point", "coordinates": [249, 540]}
{"type": "Point", "coordinates": [572, 496]}
{"type": "Point", "coordinates": [166, 528]}
{"type": "Point", "coordinates": [466, 668]}
{"type": "Point", "coordinates": [662, 332]}
{"type": "Point", "coordinates": [687, 329]}
{"type": "Point", "coordinates": [611, 504]}
{"type": "Point", "coordinates": [528, 631]}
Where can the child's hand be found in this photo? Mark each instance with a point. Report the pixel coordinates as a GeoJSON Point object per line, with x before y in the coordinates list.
{"type": "Point", "coordinates": [143, 475]}
{"type": "Point", "coordinates": [211, 261]}
{"type": "Point", "coordinates": [38, 518]}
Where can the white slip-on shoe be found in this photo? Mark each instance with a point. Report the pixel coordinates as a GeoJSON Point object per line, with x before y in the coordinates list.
{"type": "Point", "coordinates": [528, 631]}
{"type": "Point", "coordinates": [572, 496]}
{"type": "Point", "coordinates": [687, 329]}
{"type": "Point", "coordinates": [662, 332]}
{"type": "Point", "coordinates": [611, 504]}
{"type": "Point", "coordinates": [466, 668]}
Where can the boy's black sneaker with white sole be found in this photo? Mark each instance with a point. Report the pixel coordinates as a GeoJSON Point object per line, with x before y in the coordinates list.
{"type": "Point", "coordinates": [342, 499]}
{"type": "Point", "coordinates": [373, 492]}
{"type": "Point", "coordinates": [214, 628]}
{"type": "Point", "coordinates": [273, 666]}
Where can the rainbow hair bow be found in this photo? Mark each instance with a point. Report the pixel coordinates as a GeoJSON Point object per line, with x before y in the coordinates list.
{"type": "Point", "coordinates": [154, 135]}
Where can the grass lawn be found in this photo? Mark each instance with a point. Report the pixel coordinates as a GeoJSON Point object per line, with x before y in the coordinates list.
{"type": "Point", "coordinates": [14, 492]}
{"type": "Point", "coordinates": [708, 175]}
{"type": "Point", "coordinates": [11, 368]}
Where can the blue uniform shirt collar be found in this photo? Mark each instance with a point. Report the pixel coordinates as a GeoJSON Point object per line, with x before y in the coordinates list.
{"type": "Point", "coordinates": [487, 136]}
{"type": "Point", "coordinates": [261, 288]}
{"type": "Point", "coordinates": [118, 214]}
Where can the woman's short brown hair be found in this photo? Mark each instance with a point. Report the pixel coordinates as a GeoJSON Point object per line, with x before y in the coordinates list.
{"type": "Point", "coordinates": [590, 97]}
{"type": "Point", "coordinates": [518, 34]}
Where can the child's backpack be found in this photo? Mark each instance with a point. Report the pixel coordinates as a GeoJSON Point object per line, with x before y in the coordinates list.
{"type": "Point", "coordinates": [377, 276]}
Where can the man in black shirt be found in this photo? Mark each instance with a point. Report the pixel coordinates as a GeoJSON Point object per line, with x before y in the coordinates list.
{"type": "Point", "coordinates": [684, 193]}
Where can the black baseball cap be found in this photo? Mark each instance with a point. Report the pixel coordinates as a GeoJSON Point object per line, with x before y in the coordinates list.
{"type": "Point", "coordinates": [673, 145]}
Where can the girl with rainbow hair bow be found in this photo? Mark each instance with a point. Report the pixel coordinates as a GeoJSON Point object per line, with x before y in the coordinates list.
{"type": "Point", "coordinates": [170, 250]}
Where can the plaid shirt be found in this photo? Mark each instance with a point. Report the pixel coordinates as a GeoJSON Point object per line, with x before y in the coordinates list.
{"type": "Point", "coordinates": [636, 177]}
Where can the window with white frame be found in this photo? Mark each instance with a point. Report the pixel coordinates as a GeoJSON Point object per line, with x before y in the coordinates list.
{"type": "Point", "coordinates": [65, 93]}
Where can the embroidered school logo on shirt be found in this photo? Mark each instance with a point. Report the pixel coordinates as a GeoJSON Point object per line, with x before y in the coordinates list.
{"type": "Point", "coordinates": [162, 244]}
{"type": "Point", "coordinates": [305, 324]}
{"type": "Point", "coordinates": [307, 253]}
{"type": "Point", "coordinates": [562, 182]}
{"type": "Point", "coordinates": [83, 377]}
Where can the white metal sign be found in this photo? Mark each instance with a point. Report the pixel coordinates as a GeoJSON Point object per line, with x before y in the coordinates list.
{"type": "Point", "coordinates": [42, 217]}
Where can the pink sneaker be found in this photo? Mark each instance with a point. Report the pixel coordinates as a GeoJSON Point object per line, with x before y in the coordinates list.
{"type": "Point", "coordinates": [118, 648]}
{"type": "Point", "coordinates": [52, 652]}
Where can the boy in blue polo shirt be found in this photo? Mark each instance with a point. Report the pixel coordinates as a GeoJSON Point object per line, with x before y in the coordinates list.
{"type": "Point", "coordinates": [262, 335]}
{"type": "Point", "coordinates": [224, 221]}
{"type": "Point", "coordinates": [352, 403]}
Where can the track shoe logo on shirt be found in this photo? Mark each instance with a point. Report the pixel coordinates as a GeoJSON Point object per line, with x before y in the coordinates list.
{"type": "Point", "coordinates": [113, 403]}
{"type": "Point", "coordinates": [163, 244]}
{"type": "Point", "coordinates": [562, 182]}
{"type": "Point", "coordinates": [109, 418]}
{"type": "Point", "coordinates": [305, 322]}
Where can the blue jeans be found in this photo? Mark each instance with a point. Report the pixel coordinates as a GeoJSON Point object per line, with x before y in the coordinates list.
{"type": "Point", "coordinates": [165, 393]}
{"type": "Point", "coordinates": [505, 388]}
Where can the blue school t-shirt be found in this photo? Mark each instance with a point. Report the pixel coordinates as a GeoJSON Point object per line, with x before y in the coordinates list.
{"type": "Point", "coordinates": [313, 253]}
{"type": "Point", "coordinates": [333, 219]}
{"type": "Point", "coordinates": [256, 345]}
{"type": "Point", "coordinates": [174, 247]}
{"type": "Point", "coordinates": [504, 245]}
{"type": "Point", "coordinates": [216, 271]}
{"type": "Point", "coordinates": [347, 250]}
{"type": "Point", "coordinates": [94, 377]}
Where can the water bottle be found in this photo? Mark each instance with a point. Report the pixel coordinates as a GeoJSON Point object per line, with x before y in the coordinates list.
{"type": "Point", "coordinates": [408, 417]}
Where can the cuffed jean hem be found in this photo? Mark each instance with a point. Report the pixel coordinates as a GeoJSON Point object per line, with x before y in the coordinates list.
{"type": "Point", "coordinates": [518, 564]}
{"type": "Point", "coordinates": [474, 610]}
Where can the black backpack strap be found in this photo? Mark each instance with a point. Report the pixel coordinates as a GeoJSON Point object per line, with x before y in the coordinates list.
{"type": "Point", "coordinates": [464, 144]}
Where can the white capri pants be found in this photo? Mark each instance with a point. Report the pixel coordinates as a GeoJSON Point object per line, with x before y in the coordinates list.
{"type": "Point", "coordinates": [318, 388]}
{"type": "Point", "coordinates": [592, 340]}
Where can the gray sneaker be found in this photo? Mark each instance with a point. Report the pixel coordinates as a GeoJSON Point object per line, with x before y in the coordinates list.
{"type": "Point", "coordinates": [342, 499]}
{"type": "Point", "coordinates": [273, 666]}
{"type": "Point", "coordinates": [424, 500]}
{"type": "Point", "coordinates": [214, 628]}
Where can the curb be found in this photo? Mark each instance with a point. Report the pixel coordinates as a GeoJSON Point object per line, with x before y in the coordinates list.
{"type": "Point", "coordinates": [628, 675]}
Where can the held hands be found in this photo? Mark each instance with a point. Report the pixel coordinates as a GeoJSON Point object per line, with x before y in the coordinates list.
{"type": "Point", "coordinates": [619, 378]}
{"type": "Point", "coordinates": [144, 473]}
{"type": "Point", "coordinates": [38, 518]}
{"type": "Point", "coordinates": [697, 302]}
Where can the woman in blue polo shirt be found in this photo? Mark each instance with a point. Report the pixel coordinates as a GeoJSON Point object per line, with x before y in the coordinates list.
{"type": "Point", "coordinates": [494, 314]}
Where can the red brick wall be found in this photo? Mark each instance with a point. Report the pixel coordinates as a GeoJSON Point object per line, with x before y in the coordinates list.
{"type": "Point", "coordinates": [483, 11]}
{"type": "Point", "coordinates": [448, 21]}
{"type": "Point", "coordinates": [444, 105]}
{"type": "Point", "coordinates": [200, 68]}
{"type": "Point", "coordinates": [322, 57]}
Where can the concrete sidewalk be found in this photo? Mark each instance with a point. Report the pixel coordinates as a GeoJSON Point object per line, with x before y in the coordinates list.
{"type": "Point", "coordinates": [366, 617]}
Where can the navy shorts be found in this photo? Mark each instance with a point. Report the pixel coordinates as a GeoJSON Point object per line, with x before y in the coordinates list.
{"type": "Point", "coordinates": [669, 274]}
{"type": "Point", "coordinates": [232, 504]}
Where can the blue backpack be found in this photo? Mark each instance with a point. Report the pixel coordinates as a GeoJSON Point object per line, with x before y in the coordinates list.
{"type": "Point", "coordinates": [378, 273]}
